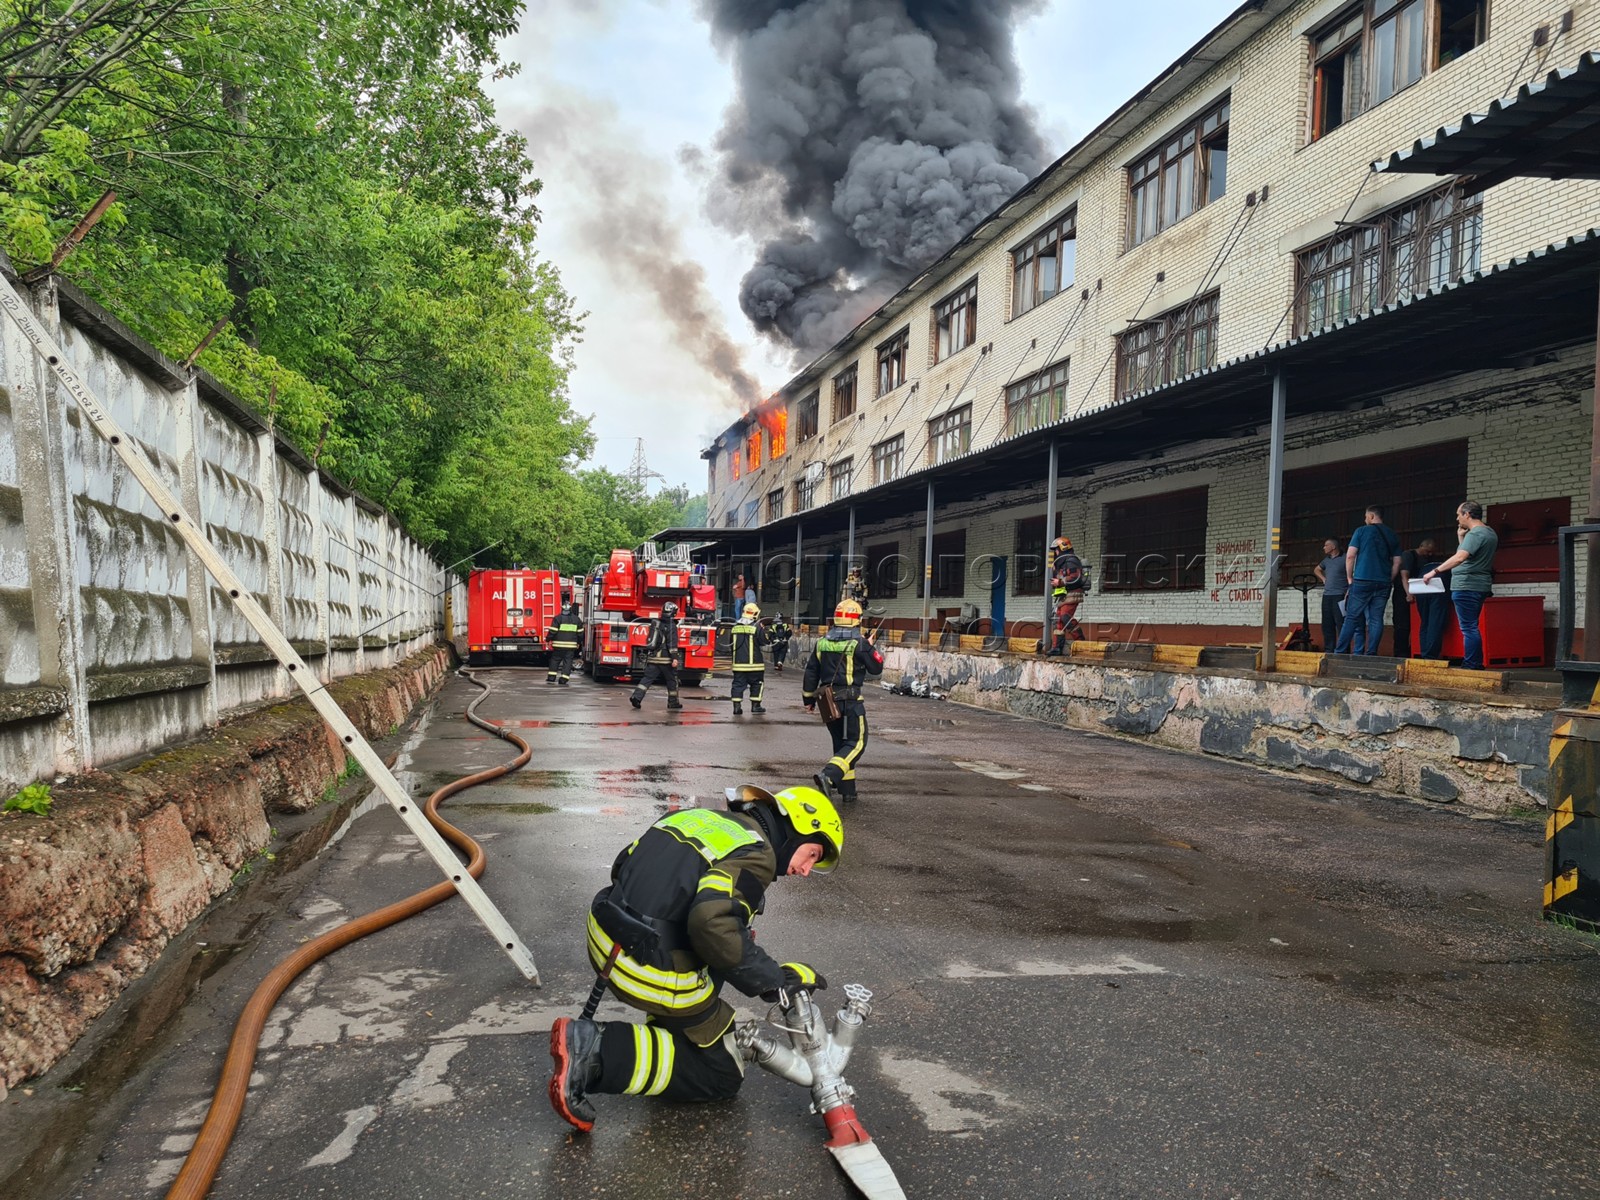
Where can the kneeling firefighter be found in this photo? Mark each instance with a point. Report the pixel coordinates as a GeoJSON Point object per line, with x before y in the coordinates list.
{"type": "Point", "coordinates": [835, 673]}
{"type": "Point", "coordinates": [749, 663]}
{"type": "Point", "coordinates": [672, 928]}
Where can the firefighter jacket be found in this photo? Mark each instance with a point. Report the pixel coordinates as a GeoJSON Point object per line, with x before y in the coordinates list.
{"type": "Point", "coordinates": [842, 659]}
{"type": "Point", "coordinates": [662, 647]}
{"type": "Point", "coordinates": [1067, 574]}
{"type": "Point", "coordinates": [749, 640]}
{"type": "Point", "coordinates": [567, 632]}
{"type": "Point", "coordinates": [782, 631]}
{"type": "Point", "coordinates": [678, 914]}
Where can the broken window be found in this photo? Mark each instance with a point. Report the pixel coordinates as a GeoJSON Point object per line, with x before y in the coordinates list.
{"type": "Point", "coordinates": [752, 448]}
{"type": "Point", "coordinates": [892, 362]}
{"type": "Point", "coordinates": [1377, 48]}
{"type": "Point", "coordinates": [955, 322]}
{"type": "Point", "coordinates": [1037, 401]}
{"type": "Point", "coordinates": [844, 394]}
{"type": "Point", "coordinates": [1045, 265]}
{"type": "Point", "coordinates": [775, 505]}
{"type": "Point", "coordinates": [735, 457]}
{"type": "Point", "coordinates": [950, 434]}
{"type": "Point", "coordinates": [1156, 543]}
{"type": "Point", "coordinates": [887, 457]}
{"type": "Point", "coordinates": [806, 417]}
{"type": "Point", "coordinates": [1187, 172]}
{"type": "Point", "coordinates": [1392, 256]}
{"type": "Point", "coordinates": [840, 476]}
{"type": "Point", "coordinates": [1169, 347]}
{"type": "Point", "coordinates": [752, 514]}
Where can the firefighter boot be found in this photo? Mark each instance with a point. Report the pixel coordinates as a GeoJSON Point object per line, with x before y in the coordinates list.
{"type": "Point", "coordinates": [825, 784]}
{"type": "Point", "coordinates": [673, 703]}
{"type": "Point", "coordinates": [636, 699]}
{"type": "Point", "coordinates": [756, 707]}
{"type": "Point", "coordinates": [575, 1047]}
{"type": "Point", "coordinates": [738, 709]}
{"type": "Point", "coordinates": [847, 791]}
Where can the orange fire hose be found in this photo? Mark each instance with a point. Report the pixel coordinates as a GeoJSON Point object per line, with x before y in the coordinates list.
{"type": "Point", "coordinates": [227, 1103]}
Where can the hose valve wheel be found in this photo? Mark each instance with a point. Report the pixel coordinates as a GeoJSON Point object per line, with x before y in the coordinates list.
{"type": "Point", "coordinates": [859, 998]}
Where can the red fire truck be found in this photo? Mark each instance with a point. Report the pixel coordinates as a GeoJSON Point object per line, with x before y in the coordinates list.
{"type": "Point", "coordinates": [509, 614]}
{"type": "Point", "coordinates": [623, 595]}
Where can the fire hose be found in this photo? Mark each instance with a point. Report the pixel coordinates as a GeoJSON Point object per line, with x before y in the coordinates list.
{"type": "Point", "coordinates": [227, 1103]}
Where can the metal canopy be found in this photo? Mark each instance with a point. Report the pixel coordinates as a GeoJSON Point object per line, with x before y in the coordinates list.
{"type": "Point", "coordinates": [1550, 130]}
{"type": "Point", "coordinates": [1502, 317]}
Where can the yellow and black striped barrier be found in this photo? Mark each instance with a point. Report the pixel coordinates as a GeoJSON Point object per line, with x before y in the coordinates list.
{"type": "Point", "coordinates": [1572, 830]}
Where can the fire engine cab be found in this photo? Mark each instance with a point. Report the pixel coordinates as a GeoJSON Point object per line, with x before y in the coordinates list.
{"type": "Point", "coordinates": [509, 614]}
{"type": "Point", "coordinates": [626, 593]}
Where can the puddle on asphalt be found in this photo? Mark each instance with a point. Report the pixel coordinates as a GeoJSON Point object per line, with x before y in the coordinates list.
{"type": "Point", "coordinates": [489, 806]}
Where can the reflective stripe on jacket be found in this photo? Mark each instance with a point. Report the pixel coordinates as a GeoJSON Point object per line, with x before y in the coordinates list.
{"type": "Point", "coordinates": [749, 640]}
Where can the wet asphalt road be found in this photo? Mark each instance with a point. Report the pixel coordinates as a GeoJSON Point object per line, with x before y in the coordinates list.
{"type": "Point", "coordinates": [1100, 970]}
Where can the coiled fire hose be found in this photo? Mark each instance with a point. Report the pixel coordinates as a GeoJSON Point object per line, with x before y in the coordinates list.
{"type": "Point", "coordinates": [227, 1103]}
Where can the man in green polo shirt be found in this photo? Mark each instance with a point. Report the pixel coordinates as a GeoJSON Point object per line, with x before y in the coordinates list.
{"type": "Point", "coordinates": [1471, 570]}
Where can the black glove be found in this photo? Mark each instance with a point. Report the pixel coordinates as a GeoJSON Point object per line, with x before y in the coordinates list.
{"type": "Point", "coordinates": [795, 977]}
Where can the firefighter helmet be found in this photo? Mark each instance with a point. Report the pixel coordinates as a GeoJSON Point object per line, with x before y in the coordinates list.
{"type": "Point", "coordinates": [1062, 543]}
{"type": "Point", "coordinates": [751, 612]}
{"type": "Point", "coordinates": [807, 811]}
{"type": "Point", "coordinates": [669, 609]}
{"type": "Point", "coordinates": [848, 613]}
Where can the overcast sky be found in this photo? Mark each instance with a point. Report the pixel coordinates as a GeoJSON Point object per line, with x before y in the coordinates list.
{"type": "Point", "coordinates": [609, 94]}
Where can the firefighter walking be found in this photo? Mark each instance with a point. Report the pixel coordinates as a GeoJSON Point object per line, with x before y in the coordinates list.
{"type": "Point", "coordinates": [749, 662]}
{"type": "Point", "coordinates": [660, 658]}
{"type": "Point", "coordinates": [780, 633]}
{"type": "Point", "coordinates": [838, 668]}
{"type": "Point", "coordinates": [565, 636]}
{"type": "Point", "coordinates": [1069, 582]}
{"type": "Point", "coordinates": [670, 930]}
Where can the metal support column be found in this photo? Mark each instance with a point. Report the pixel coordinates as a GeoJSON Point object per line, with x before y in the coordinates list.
{"type": "Point", "coordinates": [927, 566]}
{"type": "Point", "coordinates": [797, 561]}
{"type": "Point", "coordinates": [850, 546]}
{"type": "Point", "coordinates": [1591, 599]}
{"type": "Point", "coordinates": [761, 566]}
{"type": "Point", "coordinates": [1269, 585]}
{"type": "Point", "coordinates": [1049, 536]}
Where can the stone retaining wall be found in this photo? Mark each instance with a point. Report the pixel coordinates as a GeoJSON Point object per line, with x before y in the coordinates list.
{"type": "Point", "coordinates": [1488, 753]}
{"type": "Point", "coordinates": [90, 895]}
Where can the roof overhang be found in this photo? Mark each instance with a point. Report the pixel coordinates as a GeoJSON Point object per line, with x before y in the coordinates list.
{"type": "Point", "coordinates": [1508, 316]}
{"type": "Point", "coordinates": [1548, 130]}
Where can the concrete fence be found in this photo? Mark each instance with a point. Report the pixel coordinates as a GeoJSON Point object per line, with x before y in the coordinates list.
{"type": "Point", "coordinates": [113, 639]}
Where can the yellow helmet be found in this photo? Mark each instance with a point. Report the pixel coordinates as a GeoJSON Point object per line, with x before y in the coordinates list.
{"type": "Point", "coordinates": [808, 812]}
{"type": "Point", "coordinates": [848, 613]}
{"type": "Point", "coordinates": [751, 612]}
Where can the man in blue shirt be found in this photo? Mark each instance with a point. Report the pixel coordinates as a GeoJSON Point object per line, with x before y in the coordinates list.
{"type": "Point", "coordinates": [1372, 561]}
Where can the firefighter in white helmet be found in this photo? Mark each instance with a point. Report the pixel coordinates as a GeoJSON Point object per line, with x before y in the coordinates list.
{"type": "Point", "coordinates": [670, 930]}
{"type": "Point", "coordinates": [835, 674]}
{"type": "Point", "coordinates": [750, 642]}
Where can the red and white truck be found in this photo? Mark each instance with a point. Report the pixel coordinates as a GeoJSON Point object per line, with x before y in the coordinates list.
{"type": "Point", "coordinates": [623, 595]}
{"type": "Point", "coordinates": [509, 614]}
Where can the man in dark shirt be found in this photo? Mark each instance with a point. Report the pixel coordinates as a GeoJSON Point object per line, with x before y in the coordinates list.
{"type": "Point", "coordinates": [1430, 608]}
{"type": "Point", "coordinates": [1330, 573]}
{"type": "Point", "coordinates": [1373, 560]}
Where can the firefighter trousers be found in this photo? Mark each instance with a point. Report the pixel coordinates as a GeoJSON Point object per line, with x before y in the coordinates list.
{"type": "Point", "coordinates": [780, 651]}
{"type": "Point", "coordinates": [655, 672]}
{"type": "Point", "coordinates": [849, 744]}
{"type": "Point", "coordinates": [560, 664]}
{"type": "Point", "coordinates": [755, 681]}
{"type": "Point", "coordinates": [1067, 618]}
{"type": "Point", "coordinates": [648, 1060]}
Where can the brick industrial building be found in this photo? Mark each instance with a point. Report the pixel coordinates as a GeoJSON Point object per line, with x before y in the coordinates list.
{"type": "Point", "coordinates": [1132, 304]}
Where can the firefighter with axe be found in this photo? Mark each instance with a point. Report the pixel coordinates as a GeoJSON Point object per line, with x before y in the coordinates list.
{"type": "Point", "coordinates": [670, 930]}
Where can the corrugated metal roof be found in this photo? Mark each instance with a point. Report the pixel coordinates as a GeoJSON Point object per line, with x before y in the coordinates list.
{"type": "Point", "coordinates": [1549, 130]}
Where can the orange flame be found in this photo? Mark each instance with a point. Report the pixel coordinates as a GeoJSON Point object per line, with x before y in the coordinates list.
{"type": "Point", "coordinates": [734, 459]}
{"type": "Point", "coordinates": [776, 421]}
{"type": "Point", "coordinates": [753, 448]}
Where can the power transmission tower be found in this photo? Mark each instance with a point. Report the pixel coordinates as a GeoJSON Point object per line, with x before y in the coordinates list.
{"type": "Point", "coordinates": [639, 471]}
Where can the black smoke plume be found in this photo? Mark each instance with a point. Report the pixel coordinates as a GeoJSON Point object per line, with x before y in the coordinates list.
{"type": "Point", "coordinates": [867, 138]}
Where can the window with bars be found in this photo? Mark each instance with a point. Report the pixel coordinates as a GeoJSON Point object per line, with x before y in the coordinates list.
{"type": "Point", "coordinates": [950, 434]}
{"type": "Point", "coordinates": [884, 570]}
{"type": "Point", "coordinates": [840, 477]}
{"type": "Point", "coordinates": [1424, 243]}
{"type": "Point", "coordinates": [955, 322]}
{"type": "Point", "coordinates": [949, 564]}
{"type": "Point", "coordinates": [1377, 48]}
{"type": "Point", "coordinates": [892, 362]}
{"type": "Point", "coordinates": [1155, 543]}
{"type": "Point", "coordinates": [844, 394]}
{"type": "Point", "coordinates": [805, 418]}
{"type": "Point", "coordinates": [1171, 346]}
{"type": "Point", "coordinates": [1028, 565]}
{"type": "Point", "coordinates": [1187, 172]}
{"type": "Point", "coordinates": [1038, 400]}
{"type": "Point", "coordinates": [1044, 265]}
{"type": "Point", "coordinates": [887, 458]}
{"type": "Point", "coordinates": [1418, 490]}
{"type": "Point", "coordinates": [775, 505]}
